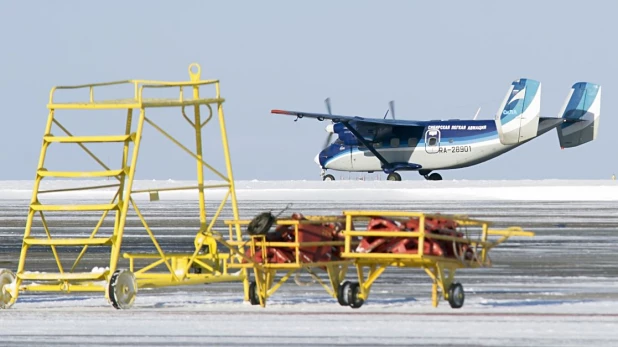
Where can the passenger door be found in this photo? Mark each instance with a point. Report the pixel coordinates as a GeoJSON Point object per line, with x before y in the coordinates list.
{"type": "Point", "coordinates": [432, 141]}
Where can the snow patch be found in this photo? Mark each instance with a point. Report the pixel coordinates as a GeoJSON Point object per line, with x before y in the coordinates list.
{"type": "Point", "coordinates": [530, 190]}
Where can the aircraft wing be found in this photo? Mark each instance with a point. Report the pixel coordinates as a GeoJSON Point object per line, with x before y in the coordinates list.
{"type": "Point", "coordinates": [339, 118]}
{"type": "Point", "coordinates": [371, 122]}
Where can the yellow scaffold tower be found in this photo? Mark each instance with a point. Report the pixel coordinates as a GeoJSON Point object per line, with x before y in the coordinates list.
{"type": "Point", "coordinates": [121, 285]}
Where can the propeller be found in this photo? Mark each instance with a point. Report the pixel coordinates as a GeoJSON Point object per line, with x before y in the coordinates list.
{"type": "Point", "coordinates": [391, 105]}
{"type": "Point", "coordinates": [477, 113]}
{"type": "Point", "coordinates": [330, 134]}
{"type": "Point", "coordinates": [331, 131]}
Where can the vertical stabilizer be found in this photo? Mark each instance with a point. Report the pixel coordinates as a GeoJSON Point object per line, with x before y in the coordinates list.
{"type": "Point", "coordinates": [581, 113]}
{"type": "Point", "coordinates": [518, 116]}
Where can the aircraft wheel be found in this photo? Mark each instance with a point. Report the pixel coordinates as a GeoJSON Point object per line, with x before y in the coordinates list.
{"type": "Point", "coordinates": [394, 177]}
{"type": "Point", "coordinates": [343, 293]}
{"type": "Point", "coordinates": [456, 295]}
{"type": "Point", "coordinates": [328, 178]}
{"type": "Point", "coordinates": [353, 299]}
{"type": "Point", "coordinates": [434, 177]}
{"type": "Point", "coordinates": [7, 277]}
{"type": "Point", "coordinates": [122, 289]}
{"type": "Point", "coordinates": [254, 299]}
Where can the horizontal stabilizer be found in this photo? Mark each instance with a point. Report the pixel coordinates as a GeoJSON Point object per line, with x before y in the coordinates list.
{"type": "Point", "coordinates": [518, 116]}
{"type": "Point", "coordinates": [581, 113]}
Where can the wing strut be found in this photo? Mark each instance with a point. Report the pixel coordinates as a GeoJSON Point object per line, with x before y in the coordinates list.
{"type": "Point", "coordinates": [367, 144]}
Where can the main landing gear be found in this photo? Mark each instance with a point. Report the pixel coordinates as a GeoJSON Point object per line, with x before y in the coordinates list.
{"type": "Point", "coordinates": [433, 177]}
{"type": "Point", "coordinates": [393, 176]}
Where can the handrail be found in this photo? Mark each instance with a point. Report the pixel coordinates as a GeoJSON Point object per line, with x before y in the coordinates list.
{"type": "Point", "coordinates": [406, 214]}
{"type": "Point", "coordinates": [422, 235]}
{"type": "Point", "coordinates": [138, 88]}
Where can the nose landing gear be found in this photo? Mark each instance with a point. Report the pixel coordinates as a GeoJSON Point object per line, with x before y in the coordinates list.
{"type": "Point", "coordinates": [326, 177]}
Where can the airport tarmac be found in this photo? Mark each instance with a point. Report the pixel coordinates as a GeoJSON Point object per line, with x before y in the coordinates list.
{"type": "Point", "coordinates": [565, 275]}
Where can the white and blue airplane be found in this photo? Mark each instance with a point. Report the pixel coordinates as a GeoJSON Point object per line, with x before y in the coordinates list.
{"type": "Point", "coordinates": [391, 145]}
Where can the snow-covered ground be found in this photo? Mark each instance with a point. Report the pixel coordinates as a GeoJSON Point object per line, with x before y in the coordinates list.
{"type": "Point", "coordinates": [558, 288]}
{"type": "Point", "coordinates": [199, 319]}
{"type": "Point", "coordinates": [546, 190]}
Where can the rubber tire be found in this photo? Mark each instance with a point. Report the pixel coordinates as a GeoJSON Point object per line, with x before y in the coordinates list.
{"type": "Point", "coordinates": [456, 295]}
{"type": "Point", "coordinates": [328, 177]}
{"type": "Point", "coordinates": [434, 177]}
{"type": "Point", "coordinates": [353, 299]}
{"type": "Point", "coordinates": [393, 177]}
{"type": "Point", "coordinates": [254, 299]}
{"type": "Point", "coordinates": [111, 286]}
{"type": "Point", "coordinates": [6, 277]}
{"type": "Point", "coordinates": [342, 298]}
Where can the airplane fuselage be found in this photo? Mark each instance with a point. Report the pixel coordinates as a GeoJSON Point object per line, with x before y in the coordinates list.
{"type": "Point", "coordinates": [439, 145]}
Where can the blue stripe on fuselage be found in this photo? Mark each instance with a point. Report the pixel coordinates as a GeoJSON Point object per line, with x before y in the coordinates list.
{"type": "Point", "coordinates": [452, 133]}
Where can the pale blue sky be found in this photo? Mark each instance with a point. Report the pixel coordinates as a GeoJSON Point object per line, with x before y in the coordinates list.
{"type": "Point", "coordinates": [436, 59]}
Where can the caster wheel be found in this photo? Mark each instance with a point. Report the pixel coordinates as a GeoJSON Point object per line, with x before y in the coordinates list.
{"type": "Point", "coordinates": [254, 299]}
{"type": "Point", "coordinates": [456, 295]}
{"type": "Point", "coordinates": [7, 277]}
{"type": "Point", "coordinates": [353, 299]}
{"type": "Point", "coordinates": [343, 293]}
{"type": "Point", "coordinates": [122, 289]}
{"type": "Point", "coordinates": [328, 178]}
{"type": "Point", "coordinates": [393, 177]}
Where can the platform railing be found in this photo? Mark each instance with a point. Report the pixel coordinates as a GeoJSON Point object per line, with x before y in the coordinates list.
{"type": "Point", "coordinates": [138, 100]}
{"type": "Point", "coordinates": [258, 243]}
{"type": "Point", "coordinates": [479, 245]}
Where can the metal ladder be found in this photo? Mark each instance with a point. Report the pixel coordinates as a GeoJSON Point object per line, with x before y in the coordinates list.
{"type": "Point", "coordinates": [68, 280]}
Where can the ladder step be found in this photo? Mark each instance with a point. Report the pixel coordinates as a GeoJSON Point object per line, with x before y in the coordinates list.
{"type": "Point", "coordinates": [100, 241]}
{"type": "Point", "coordinates": [88, 139]}
{"type": "Point", "coordinates": [76, 174]}
{"type": "Point", "coordinates": [96, 207]}
{"type": "Point", "coordinates": [51, 276]}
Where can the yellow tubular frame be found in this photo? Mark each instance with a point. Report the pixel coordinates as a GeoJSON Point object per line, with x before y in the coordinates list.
{"type": "Point", "coordinates": [265, 273]}
{"type": "Point", "coordinates": [370, 266]}
{"type": "Point", "coordinates": [212, 266]}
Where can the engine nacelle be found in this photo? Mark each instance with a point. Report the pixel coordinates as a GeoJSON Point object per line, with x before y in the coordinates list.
{"type": "Point", "coordinates": [369, 132]}
{"type": "Point", "coordinates": [335, 128]}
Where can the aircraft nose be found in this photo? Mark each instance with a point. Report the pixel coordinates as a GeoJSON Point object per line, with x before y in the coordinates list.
{"type": "Point", "coordinates": [317, 159]}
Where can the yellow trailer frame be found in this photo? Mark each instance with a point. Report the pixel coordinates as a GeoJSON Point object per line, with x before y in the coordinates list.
{"type": "Point", "coordinates": [120, 285]}
{"type": "Point", "coordinates": [369, 266]}
{"type": "Point", "coordinates": [440, 269]}
{"type": "Point", "coordinates": [265, 283]}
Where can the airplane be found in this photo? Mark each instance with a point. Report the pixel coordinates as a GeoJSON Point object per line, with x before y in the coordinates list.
{"type": "Point", "coordinates": [392, 145]}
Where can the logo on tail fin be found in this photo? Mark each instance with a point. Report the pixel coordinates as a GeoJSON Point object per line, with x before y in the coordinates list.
{"type": "Point", "coordinates": [519, 98]}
